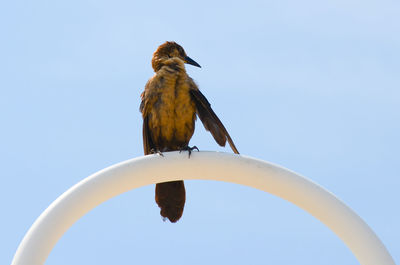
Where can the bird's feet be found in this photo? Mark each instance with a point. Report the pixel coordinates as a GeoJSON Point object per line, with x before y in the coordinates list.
{"type": "Point", "coordinates": [158, 152]}
{"type": "Point", "coordinates": [189, 149]}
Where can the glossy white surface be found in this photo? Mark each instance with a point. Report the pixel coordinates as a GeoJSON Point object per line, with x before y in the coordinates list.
{"type": "Point", "coordinates": [112, 181]}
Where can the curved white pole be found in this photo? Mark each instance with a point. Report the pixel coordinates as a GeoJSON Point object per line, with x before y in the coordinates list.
{"type": "Point", "coordinates": [107, 183]}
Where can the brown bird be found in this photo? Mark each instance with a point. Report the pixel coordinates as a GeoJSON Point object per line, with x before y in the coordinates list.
{"type": "Point", "coordinates": [170, 102]}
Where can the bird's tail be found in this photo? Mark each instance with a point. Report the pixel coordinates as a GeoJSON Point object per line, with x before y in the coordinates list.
{"type": "Point", "coordinates": [170, 197]}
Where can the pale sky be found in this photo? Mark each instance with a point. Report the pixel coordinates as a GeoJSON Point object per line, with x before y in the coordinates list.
{"type": "Point", "coordinates": [310, 85]}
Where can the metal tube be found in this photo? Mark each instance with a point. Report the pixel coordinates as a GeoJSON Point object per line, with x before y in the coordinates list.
{"type": "Point", "coordinates": [112, 181]}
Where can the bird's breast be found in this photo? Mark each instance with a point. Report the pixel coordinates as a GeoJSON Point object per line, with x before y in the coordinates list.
{"type": "Point", "coordinates": [173, 113]}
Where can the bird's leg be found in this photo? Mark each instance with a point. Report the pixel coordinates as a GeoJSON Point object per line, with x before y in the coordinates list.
{"type": "Point", "coordinates": [189, 149]}
{"type": "Point", "coordinates": [156, 151]}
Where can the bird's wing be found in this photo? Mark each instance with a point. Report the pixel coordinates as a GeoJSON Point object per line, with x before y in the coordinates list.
{"type": "Point", "coordinates": [210, 120]}
{"type": "Point", "coordinates": [148, 144]}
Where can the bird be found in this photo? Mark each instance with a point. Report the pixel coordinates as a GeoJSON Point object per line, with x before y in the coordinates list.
{"type": "Point", "coordinates": [170, 102]}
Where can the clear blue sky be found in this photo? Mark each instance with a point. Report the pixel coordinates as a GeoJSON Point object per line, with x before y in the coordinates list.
{"type": "Point", "coordinates": [311, 85]}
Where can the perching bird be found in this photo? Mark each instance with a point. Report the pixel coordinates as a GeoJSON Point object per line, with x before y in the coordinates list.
{"type": "Point", "coordinates": [170, 102]}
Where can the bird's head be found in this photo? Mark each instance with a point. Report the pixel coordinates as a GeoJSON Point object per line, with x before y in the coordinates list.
{"type": "Point", "coordinates": [169, 50]}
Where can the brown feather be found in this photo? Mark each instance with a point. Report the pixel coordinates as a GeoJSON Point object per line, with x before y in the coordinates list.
{"type": "Point", "coordinates": [147, 142]}
{"type": "Point", "coordinates": [210, 120]}
{"type": "Point", "coordinates": [170, 197]}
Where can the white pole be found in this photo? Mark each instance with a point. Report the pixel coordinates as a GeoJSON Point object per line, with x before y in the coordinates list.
{"type": "Point", "coordinates": [107, 183]}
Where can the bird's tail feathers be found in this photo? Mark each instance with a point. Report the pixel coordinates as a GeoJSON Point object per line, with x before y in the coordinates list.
{"type": "Point", "coordinates": [170, 197]}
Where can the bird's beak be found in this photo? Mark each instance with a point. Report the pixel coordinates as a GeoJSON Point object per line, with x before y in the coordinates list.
{"type": "Point", "coordinates": [189, 60]}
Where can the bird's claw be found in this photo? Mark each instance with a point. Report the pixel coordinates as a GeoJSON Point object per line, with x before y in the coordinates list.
{"type": "Point", "coordinates": [189, 149]}
{"type": "Point", "coordinates": [158, 152]}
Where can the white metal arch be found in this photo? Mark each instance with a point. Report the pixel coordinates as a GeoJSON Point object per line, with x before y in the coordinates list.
{"type": "Point", "coordinates": [119, 178]}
